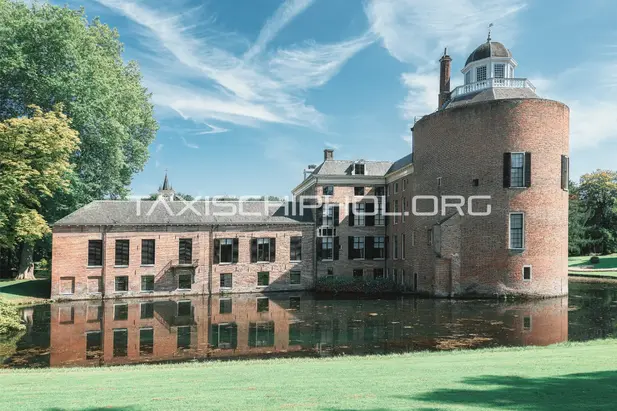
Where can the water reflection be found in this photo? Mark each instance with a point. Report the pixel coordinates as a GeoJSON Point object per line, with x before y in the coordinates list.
{"type": "Point", "coordinates": [248, 326]}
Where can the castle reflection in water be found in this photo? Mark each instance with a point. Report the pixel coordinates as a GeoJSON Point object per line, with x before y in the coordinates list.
{"type": "Point", "coordinates": [244, 326]}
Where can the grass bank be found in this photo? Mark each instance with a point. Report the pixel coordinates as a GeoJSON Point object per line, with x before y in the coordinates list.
{"type": "Point", "coordinates": [23, 292]}
{"type": "Point", "coordinates": [568, 376]}
{"type": "Point", "coordinates": [607, 262]}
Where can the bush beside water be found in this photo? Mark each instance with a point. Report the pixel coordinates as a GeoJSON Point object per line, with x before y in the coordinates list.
{"type": "Point", "coordinates": [9, 319]}
{"type": "Point", "coordinates": [337, 285]}
{"type": "Point", "coordinates": [594, 260]}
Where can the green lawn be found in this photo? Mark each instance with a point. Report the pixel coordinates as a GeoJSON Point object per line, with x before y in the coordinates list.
{"type": "Point", "coordinates": [25, 291]}
{"type": "Point", "coordinates": [561, 377]}
{"type": "Point", "coordinates": [606, 261]}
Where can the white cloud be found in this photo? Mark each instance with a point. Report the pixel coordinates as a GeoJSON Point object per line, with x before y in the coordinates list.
{"type": "Point", "coordinates": [281, 18]}
{"type": "Point", "coordinates": [213, 83]}
{"type": "Point", "coordinates": [213, 130]}
{"type": "Point", "coordinates": [187, 144]}
{"type": "Point", "coordinates": [159, 147]}
{"type": "Point", "coordinates": [333, 146]}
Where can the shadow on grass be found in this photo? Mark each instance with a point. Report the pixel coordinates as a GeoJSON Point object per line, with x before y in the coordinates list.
{"type": "Point", "coordinates": [32, 289]}
{"type": "Point", "coordinates": [608, 261]}
{"type": "Point", "coordinates": [98, 409]}
{"type": "Point", "coordinates": [597, 391]}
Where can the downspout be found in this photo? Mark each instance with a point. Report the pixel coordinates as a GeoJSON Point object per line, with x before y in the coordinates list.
{"type": "Point", "coordinates": [103, 269]}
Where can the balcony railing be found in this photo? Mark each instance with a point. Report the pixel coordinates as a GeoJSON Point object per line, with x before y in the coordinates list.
{"type": "Point", "coordinates": [492, 83]}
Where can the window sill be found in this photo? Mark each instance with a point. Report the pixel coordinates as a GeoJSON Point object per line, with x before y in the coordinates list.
{"type": "Point", "coordinates": [94, 266]}
{"type": "Point", "coordinates": [296, 284]}
{"type": "Point", "coordinates": [263, 262]}
{"type": "Point", "coordinates": [121, 266]}
{"type": "Point", "coordinates": [225, 288]}
{"type": "Point", "coordinates": [90, 293]}
{"type": "Point", "coordinates": [183, 289]}
{"type": "Point", "coordinates": [146, 265]}
{"type": "Point", "coordinates": [120, 292]}
{"type": "Point", "coordinates": [295, 261]}
{"type": "Point", "coordinates": [262, 286]}
{"type": "Point", "coordinates": [359, 259]}
{"type": "Point", "coordinates": [147, 291]}
{"type": "Point", "coordinates": [225, 263]}
{"type": "Point", "coordinates": [67, 293]}
{"type": "Point", "coordinates": [379, 259]}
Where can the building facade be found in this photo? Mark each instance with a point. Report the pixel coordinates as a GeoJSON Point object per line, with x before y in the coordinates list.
{"type": "Point", "coordinates": [478, 208]}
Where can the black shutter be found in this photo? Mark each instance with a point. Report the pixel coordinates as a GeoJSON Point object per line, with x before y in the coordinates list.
{"type": "Point", "coordinates": [565, 166]}
{"type": "Point", "coordinates": [527, 169]}
{"type": "Point", "coordinates": [385, 249]}
{"type": "Point", "coordinates": [335, 213]}
{"type": "Point", "coordinates": [319, 216]}
{"type": "Point", "coordinates": [507, 169]}
{"type": "Point", "coordinates": [234, 258]}
{"type": "Point", "coordinates": [319, 245]}
{"type": "Point", "coordinates": [234, 335]}
{"type": "Point", "coordinates": [350, 215]}
{"type": "Point", "coordinates": [272, 250]}
{"type": "Point", "coordinates": [368, 247]}
{"type": "Point", "coordinates": [369, 220]}
{"type": "Point", "coordinates": [253, 250]}
{"type": "Point", "coordinates": [214, 336]}
{"type": "Point", "coordinates": [217, 250]}
{"type": "Point", "coordinates": [350, 248]}
{"type": "Point", "coordinates": [335, 248]}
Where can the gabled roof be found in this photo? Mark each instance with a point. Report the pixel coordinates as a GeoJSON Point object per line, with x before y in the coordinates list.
{"type": "Point", "coordinates": [401, 163]}
{"type": "Point", "coordinates": [345, 168]}
{"type": "Point", "coordinates": [107, 212]}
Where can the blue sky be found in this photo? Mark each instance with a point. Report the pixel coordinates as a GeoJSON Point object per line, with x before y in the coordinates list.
{"type": "Point", "coordinates": [249, 92]}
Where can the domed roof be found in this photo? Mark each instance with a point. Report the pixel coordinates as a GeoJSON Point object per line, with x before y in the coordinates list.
{"type": "Point", "coordinates": [489, 49]}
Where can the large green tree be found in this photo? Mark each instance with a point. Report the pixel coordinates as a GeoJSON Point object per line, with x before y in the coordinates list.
{"type": "Point", "coordinates": [579, 241]}
{"type": "Point", "coordinates": [33, 166]}
{"type": "Point", "coordinates": [598, 193]}
{"type": "Point", "coordinates": [50, 55]}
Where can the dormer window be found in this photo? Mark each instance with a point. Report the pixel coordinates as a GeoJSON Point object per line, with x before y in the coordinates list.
{"type": "Point", "coordinates": [481, 73]}
{"type": "Point", "coordinates": [359, 169]}
{"type": "Point", "coordinates": [500, 71]}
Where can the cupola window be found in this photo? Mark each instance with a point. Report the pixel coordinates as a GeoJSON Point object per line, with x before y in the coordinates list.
{"type": "Point", "coordinates": [481, 73]}
{"type": "Point", "coordinates": [468, 77]}
{"type": "Point", "coordinates": [500, 71]}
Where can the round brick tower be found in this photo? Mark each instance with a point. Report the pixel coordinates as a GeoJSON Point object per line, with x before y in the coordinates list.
{"type": "Point", "coordinates": [494, 137]}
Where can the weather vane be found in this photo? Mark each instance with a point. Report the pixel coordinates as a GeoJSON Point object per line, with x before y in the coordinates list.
{"type": "Point", "coordinates": [489, 31]}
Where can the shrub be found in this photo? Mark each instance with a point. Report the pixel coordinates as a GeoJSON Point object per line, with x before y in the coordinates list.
{"type": "Point", "coordinates": [356, 285]}
{"type": "Point", "coordinates": [594, 260]}
{"type": "Point", "coordinates": [9, 319]}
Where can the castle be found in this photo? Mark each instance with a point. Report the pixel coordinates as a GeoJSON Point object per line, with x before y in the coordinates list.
{"type": "Point", "coordinates": [479, 208]}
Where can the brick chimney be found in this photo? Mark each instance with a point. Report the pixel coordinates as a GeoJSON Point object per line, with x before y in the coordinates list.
{"type": "Point", "coordinates": [328, 154]}
{"type": "Point", "coordinates": [444, 78]}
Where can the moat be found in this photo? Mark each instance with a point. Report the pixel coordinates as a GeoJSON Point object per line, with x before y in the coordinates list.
{"type": "Point", "coordinates": [252, 326]}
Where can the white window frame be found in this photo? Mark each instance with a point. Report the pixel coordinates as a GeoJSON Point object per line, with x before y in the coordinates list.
{"type": "Point", "coordinates": [403, 246]}
{"type": "Point", "coordinates": [504, 74]}
{"type": "Point", "coordinates": [330, 241]}
{"type": "Point", "coordinates": [510, 230]}
{"type": "Point", "coordinates": [380, 218]}
{"type": "Point", "coordinates": [226, 242]}
{"type": "Point", "coordinates": [524, 169]}
{"type": "Point", "coordinates": [363, 242]}
{"type": "Point", "coordinates": [263, 241]}
{"type": "Point", "coordinates": [395, 246]}
{"type": "Point", "coordinates": [382, 243]}
{"type": "Point", "coordinates": [530, 273]}
{"type": "Point", "coordinates": [395, 217]}
{"type": "Point", "coordinates": [478, 72]}
{"type": "Point", "coordinates": [232, 281]}
{"type": "Point", "coordinates": [359, 214]}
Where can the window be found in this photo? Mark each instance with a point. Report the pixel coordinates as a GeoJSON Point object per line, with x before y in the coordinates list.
{"type": "Point", "coordinates": [358, 273]}
{"type": "Point", "coordinates": [294, 303]}
{"type": "Point", "coordinates": [185, 281]}
{"type": "Point", "coordinates": [226, 251]}
{"type": "Point", "coordinates": [121, 284]}
{"type": "Point", "coordinates": [121, 312]}
{"type": "Point", "coordinates": [147, 252]}
{"type": "Point", "coordinates": [146, 341]}
{"type": "Point", "coordinates": [185, 251]}
{"type": "Point", "coordinates": [377, 273]}
{"type": "Point", "coordinates": [295, 248]}
{"type": "Point", "coordinates": [94, 345]}
{"type": "Point", "coordinates": [404, 184]}
{"type": "Point", "coordinates": [263, 249]}
{"type": "Point", "coordinates": [226, 280]}
{"type": "Point", "coordinates": [415, 281]}
{"type": "Point", "coordinates": [261, 334]}
{"type": "Point", "coordinates": [517, 237]}
{"type": "Point", "coordinates": [95, 285]}
{"type": "Point", "coordinates": [328, 190]}
{"type": "Point", "coordinates": [476, 182]}
{"type": "Point", "coordinates": [263, 278]}
{"type": "Point", "coordinates": [328, 215]}
{"type": "Point", "coordinates": [146, 310]}
{"type": "Point", "coordinates": [438, 181]}
{"type": "Point", "coordinates": [527, 323]}
{"type": "Point", "coordinates": [379, 247]}
{"type": "Point", "coordinates": [327, 248]}
{"type": "Point", "coordinates": [413, 238]}
{"type": "Point", "coordinates": [67, 285]}
{"type": "Point", "coordinates": [95, 253]}
{"type": "Point", "coordinates": [224, 336]}
{"type": "Point", "coordinates": [430, 236]}
{"type": "Point", "coordinates": [94, 313]}
{"type": "Point", "coordinates": [263, 305]}
{"type": "Point", "coordinates": [359, 169]}
{"type": "Point", "coordinates": [395, 246]}
{"type": "Point", "coordinates": [380, 191]}
{"type": "Point", "coordinates": [468, 77]}
{"type": "Point", "coordinates": [403, 246]}
{"type": "Point", "coordinates": [395, 211]}
{"type": "Point", "coordinates": [295, 277]}
{"type": "Point", "coordinates": [358, 191]}
{"type": "Point", "coordinates": [500, 71]}
{"type": "Point", "coordinates": [358, 248]}
{"type": "Point", "coordinates": [396, 188]}
{"type": "Point", "coordinates": [481, 73]}
{"type": "Point", "coordinates": [404, 209]}
{"type": "Point", "coordinates": [395, 275]}
{"type": "Point", "coordinates": [121, 342]}
{"type": "Point", "coordinates": [66, 315]}
{"type": "Point", "coordinates": [225, 306]}
{"type": "Point", "coordinates": [527, 273]}
{"type": "Point", "coordinates": [380, 218]}
{"type": "Point", "coordinates": [184, 308]}
{"type": "Point", "coordinates": [183, 341]}
{"type": "Point", "coordinates": [122, 252]}
{"type": "Point", "coordinates": [330, 272]}
{"type": "Point", "coordinates": [359, 214]}
{"type": "Point", "coordinates": [517, 174]}
{"type": "Point", "coordinates": [565, 172]}
{"type": "Point", "coordinates": [147, 283]}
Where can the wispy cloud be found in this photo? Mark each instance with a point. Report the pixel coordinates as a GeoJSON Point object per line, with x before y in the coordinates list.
{"type": "Point", "coordinates": [187, 144]}
{"type": "Point", "coordinates": [213, 130]}
{"type": "Point", "coordinates": [214, 83]}
{"type": "Point", "coordinates": [159, 147]}
{"type": "Point", "coordinates": [281, 18]}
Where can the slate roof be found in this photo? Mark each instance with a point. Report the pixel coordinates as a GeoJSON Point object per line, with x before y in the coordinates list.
{"type": "Point", "coordinates": [107, 212]}
{"type": "Point", "coordinates": [488, 49]}
{"type": "Point", "coordinates": [400, 163]}
{"type": "Point", "coordinates": [345, 168]}
{"type": "Point", "coordinates": [496, 93]}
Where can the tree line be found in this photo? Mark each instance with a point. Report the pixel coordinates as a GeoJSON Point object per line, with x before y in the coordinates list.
{"type": "Point", "coordinates": [592, 215]}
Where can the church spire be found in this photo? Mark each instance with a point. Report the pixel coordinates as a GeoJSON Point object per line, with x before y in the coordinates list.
{"type": "Point", "coordinates": [166, 191]}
